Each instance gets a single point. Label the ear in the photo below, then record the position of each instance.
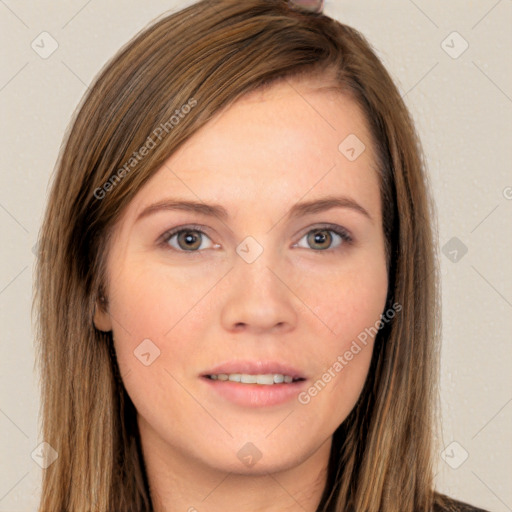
(102, 320)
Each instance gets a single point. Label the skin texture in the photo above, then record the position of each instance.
(295, 303)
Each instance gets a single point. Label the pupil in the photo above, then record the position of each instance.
(322, 237)
(189, 239)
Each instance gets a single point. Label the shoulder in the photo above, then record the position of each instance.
(444, 503)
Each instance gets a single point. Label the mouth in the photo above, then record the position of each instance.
(262, 372)
(264, 379)
(255, 383)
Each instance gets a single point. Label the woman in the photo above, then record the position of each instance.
(236, 287)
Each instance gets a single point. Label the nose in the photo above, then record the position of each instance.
(259, 299)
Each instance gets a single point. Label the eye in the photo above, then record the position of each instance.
(194, 239)
(326, 237)
(190, 239)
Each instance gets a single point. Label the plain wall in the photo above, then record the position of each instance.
(462, 104)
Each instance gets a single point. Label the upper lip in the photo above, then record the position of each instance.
(260, 367)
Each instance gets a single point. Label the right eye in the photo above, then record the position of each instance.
(186, 239)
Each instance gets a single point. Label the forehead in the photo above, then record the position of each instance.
(273, 145)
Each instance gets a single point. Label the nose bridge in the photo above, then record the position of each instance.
(257, 298)
(256, 267)
(254, 254)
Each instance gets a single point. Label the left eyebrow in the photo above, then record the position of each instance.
(218, 211)
(326, 203)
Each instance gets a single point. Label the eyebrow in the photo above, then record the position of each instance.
(218, 211)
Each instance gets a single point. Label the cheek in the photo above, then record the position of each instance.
(347, 307)
(349, 300)
(147, 308)
(161, 316)
(149, 300)
(157, 317)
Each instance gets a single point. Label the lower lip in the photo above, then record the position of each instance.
(256, 395)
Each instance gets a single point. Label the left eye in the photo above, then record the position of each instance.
(323, 238)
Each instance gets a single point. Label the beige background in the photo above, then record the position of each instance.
(463, 109)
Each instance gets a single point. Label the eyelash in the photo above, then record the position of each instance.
(345, 236)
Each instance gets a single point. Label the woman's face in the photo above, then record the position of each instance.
(249, 287)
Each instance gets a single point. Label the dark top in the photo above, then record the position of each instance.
(453, 505)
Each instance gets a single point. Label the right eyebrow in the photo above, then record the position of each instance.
(212, 210)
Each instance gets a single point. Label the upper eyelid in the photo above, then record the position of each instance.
(328, 226)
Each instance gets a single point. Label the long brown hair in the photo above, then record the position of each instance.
(205, 57)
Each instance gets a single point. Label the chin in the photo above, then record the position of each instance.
(258, 457)
(269, 464)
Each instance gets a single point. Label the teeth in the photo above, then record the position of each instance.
(245, 378)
